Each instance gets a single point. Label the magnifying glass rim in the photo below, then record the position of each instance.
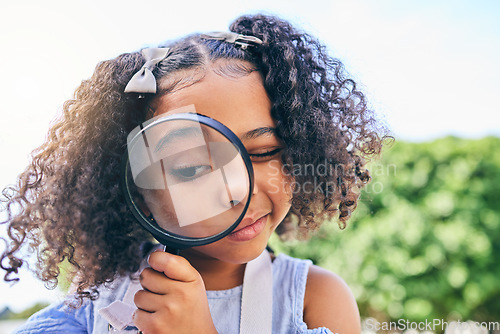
(171, 239)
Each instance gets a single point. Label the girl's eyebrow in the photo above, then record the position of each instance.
(262, 131)
(192, 132)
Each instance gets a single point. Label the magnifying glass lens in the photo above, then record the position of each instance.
(188, 180)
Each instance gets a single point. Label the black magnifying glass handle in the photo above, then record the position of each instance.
(172, 250)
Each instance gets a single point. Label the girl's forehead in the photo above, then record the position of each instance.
(240, 103)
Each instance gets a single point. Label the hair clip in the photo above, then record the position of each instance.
(144, 80)
(232, 37)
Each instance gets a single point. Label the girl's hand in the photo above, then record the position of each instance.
(174, 299)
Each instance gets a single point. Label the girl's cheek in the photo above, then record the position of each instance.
(278, 182)
(268, 176)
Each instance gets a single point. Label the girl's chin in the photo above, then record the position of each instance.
(231, 252)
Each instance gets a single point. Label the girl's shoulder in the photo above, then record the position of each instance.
(329, 302)
(307, 296)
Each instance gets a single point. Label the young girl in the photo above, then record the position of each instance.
(294, 110)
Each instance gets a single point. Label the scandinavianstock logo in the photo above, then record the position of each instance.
(317, 174)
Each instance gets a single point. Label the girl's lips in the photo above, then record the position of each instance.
(249, 232)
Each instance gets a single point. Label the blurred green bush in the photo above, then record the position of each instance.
(424, 240)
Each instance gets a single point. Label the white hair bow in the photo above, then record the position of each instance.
(144, 80)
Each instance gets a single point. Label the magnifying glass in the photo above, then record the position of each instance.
(187, 179)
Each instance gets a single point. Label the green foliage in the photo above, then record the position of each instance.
(424, 241)
(25, 314)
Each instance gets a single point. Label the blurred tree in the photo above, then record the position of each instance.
(424, 240)
(25, 314)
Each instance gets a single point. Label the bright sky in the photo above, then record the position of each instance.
(430, 67)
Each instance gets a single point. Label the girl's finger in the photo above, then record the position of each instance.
(147, 301)
(173, 266)
(154, 281)
(144, 321)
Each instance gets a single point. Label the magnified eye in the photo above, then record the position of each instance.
(191, 172)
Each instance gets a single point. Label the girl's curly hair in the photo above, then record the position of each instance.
(68, 204)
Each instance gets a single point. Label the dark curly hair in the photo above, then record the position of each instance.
(68, 205)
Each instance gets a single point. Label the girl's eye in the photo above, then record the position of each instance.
(265, 155)
(190, 173)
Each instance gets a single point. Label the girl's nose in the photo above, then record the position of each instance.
(236, 183)
(255, 187)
